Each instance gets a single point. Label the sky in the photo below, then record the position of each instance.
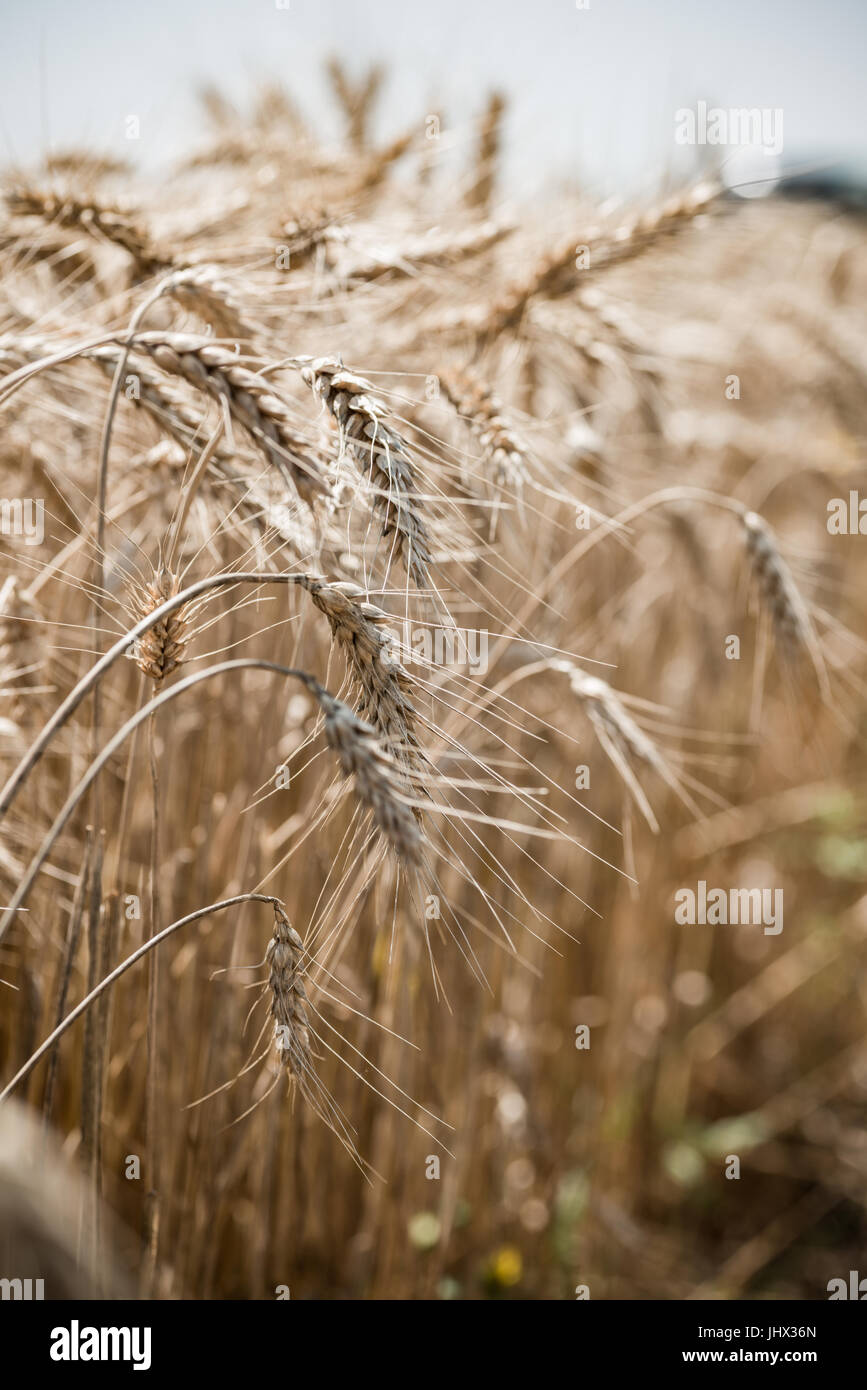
(594, 85)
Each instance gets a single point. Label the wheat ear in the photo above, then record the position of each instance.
(379, 782)
(443, 249)
(556, 272)
(356, 99)
(490, 138)
(503, 453)
(620, 736)
(789, 613)
(378, 451)
(99, 220)
(289, 998)
(161, 649)
(197, 287)
(216, 371)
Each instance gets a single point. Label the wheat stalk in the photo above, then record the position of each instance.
(362, 755)
(197, 287)
(382, 682)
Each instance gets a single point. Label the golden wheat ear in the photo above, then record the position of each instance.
(379, 781)
(504, 455)
(488, 153)
(101, 221)
(249, 397)
(789, 613)
(623, 740)
(289, 998)
(161, 649)
(379, 453)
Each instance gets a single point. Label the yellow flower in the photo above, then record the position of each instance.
(506, 1267)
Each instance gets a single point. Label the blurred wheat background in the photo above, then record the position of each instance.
(450, 1041)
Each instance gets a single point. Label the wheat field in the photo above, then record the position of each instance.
(407, 604)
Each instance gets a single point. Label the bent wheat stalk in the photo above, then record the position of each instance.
(121, 969)
(360, 752)
(162, 614)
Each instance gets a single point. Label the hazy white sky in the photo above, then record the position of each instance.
(594, 90)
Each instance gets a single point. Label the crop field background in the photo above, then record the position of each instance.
(415, 599)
